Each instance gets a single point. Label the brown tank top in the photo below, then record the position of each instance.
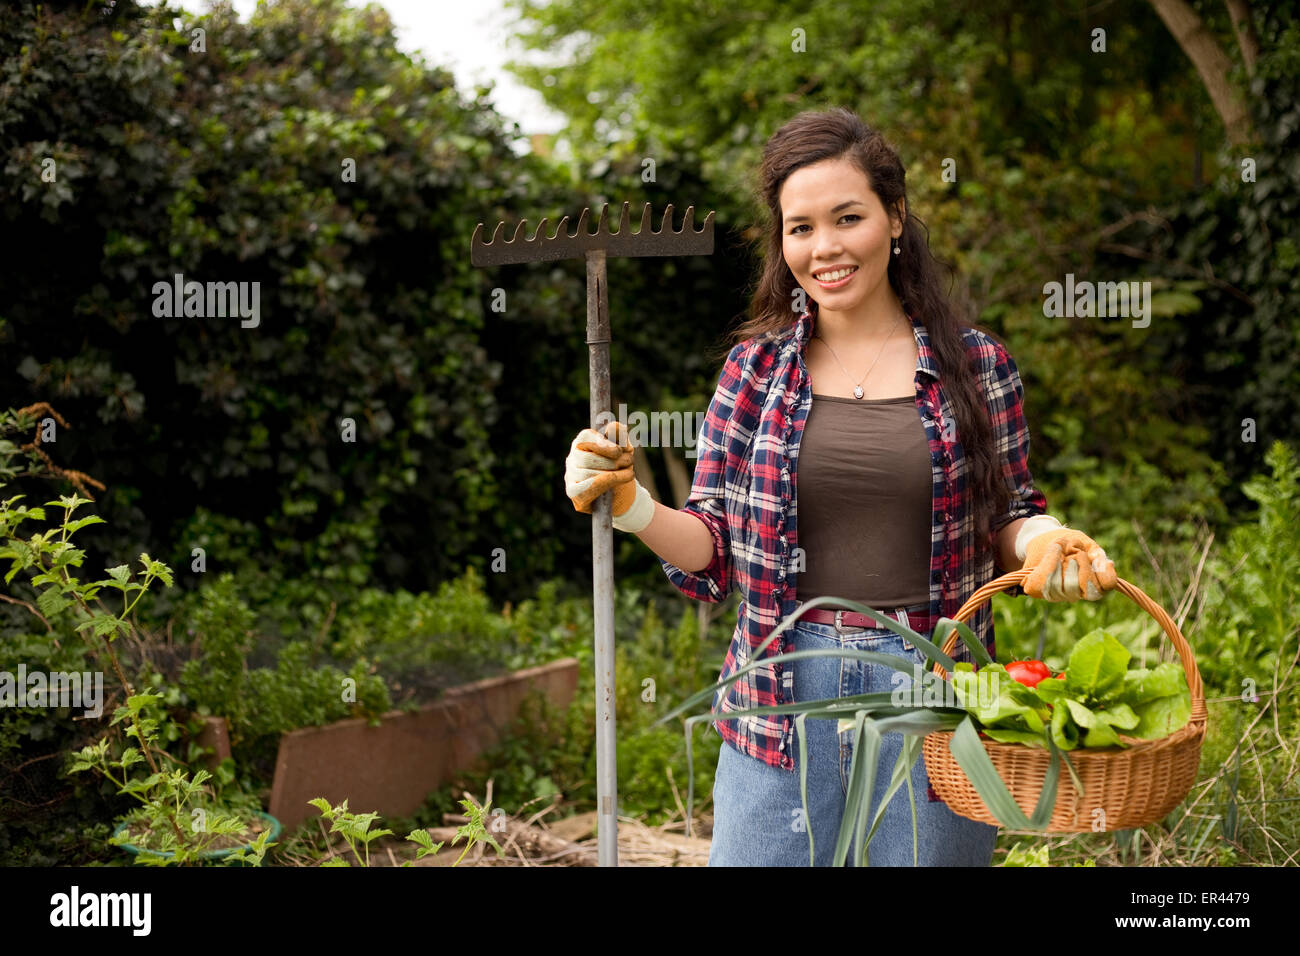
(864, 502)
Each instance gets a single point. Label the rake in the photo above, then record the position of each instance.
(596, 247)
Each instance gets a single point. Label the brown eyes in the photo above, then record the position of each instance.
(847, 215)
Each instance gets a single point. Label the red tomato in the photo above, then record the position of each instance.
(1028, 673)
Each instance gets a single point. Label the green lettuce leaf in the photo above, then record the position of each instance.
(1064, 730)
(1159, 698)
(1037, 713)
(1096, 666)
(986, 694)
(1118, 714)
(1050, 689)
(1101, 735)
(1081, 714)
(1162, 716)
(1017, 737)
(1164, 680)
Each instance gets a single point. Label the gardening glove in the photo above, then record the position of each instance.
(599, 462)
(1067, 565)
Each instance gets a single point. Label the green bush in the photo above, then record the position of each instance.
(424, 643)
(263, 702)
(548, 752)
(1252, 588)
(382, 650)
(46, 817)
(213, 166)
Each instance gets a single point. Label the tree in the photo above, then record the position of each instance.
(343, 429)
(1213, 65)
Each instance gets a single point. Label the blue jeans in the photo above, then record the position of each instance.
(757, 808)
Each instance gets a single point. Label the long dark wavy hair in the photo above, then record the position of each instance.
(811, 137)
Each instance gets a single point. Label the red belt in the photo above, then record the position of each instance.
(849, 619)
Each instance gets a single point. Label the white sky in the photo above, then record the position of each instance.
(468, 37)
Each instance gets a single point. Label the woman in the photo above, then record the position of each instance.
(906, 432)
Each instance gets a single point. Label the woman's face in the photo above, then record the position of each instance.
(831, 218)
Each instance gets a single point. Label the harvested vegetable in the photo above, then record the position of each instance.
(1093, 703)
(1028, 673)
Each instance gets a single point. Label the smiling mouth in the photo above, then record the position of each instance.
(837, 277)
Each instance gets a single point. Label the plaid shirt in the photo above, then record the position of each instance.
(744, 492)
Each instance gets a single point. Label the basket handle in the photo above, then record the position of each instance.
(1132, 591)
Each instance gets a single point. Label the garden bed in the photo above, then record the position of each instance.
(392, 767)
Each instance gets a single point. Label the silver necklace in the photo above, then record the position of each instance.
(857, 388)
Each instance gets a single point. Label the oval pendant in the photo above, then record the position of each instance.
(857, 391)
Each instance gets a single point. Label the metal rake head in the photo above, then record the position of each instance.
(688, 241)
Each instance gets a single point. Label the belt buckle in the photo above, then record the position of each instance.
(839, 622)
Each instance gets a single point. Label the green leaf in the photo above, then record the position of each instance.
(1065, 733)
(139, 786)
(799, 721)
(109, 625)
(69, 502)
(1162, 716)
(1118, 714)
(121, 573)
(80, 523)
(427, 846)
(1050, 689)
(136, 702)
(974, 761)
(103, 624)
(1016, 737)
(1028, 697)
(1081, 714)
(51, 602)
(1097, 664)
(995, 699)
(862, 784)
(940, 636)
(1101, 735)
(1027, 856)
(64, 554)
(1164, 680)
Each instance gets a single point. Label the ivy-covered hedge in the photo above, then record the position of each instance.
(303, 151)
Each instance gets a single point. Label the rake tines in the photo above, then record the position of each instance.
(542, 247)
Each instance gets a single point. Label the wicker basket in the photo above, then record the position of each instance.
(1133, 785)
